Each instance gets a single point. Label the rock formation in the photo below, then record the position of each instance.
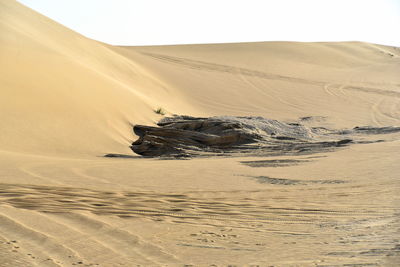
(182, 136)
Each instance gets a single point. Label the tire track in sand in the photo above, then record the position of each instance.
(124, 204)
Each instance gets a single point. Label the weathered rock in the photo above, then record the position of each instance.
(188, 136)
(180, 137)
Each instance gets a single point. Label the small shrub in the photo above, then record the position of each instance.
(160, 111)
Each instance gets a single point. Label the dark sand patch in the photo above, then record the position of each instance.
(111, 155)
(273, 163)
(282, 181)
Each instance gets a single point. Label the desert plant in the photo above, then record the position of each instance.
(160, 111)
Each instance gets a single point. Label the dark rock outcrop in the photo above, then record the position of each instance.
(189, 135)
(181, 136)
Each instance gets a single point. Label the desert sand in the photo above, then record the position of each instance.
(66, 101)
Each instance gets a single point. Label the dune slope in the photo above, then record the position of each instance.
(284, 80)
(64, 93)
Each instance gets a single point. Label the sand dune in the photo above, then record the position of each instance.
(280, 78)
(66, 101)
(59, 86)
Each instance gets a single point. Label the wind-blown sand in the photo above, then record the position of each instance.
(66, 101)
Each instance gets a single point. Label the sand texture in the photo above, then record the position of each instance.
(318, 186)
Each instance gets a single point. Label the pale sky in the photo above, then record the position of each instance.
(158, 22)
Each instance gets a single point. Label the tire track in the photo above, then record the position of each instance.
(373, 91)
(274, 96)
(375, 112)
(39, 242)
(310, 216)
(328, 90)
(207, 66)
(131, 246)
(28, 169)
(179, 206)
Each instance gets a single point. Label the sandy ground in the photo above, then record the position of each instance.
(65, 101)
